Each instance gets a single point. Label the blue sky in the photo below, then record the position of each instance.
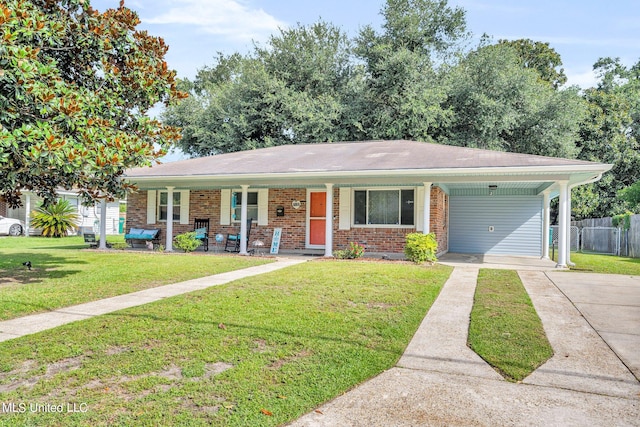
(581, 31)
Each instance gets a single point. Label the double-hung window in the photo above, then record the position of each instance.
(162, 206)
(252, 205)
(384, 207)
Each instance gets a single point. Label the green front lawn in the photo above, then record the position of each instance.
(256, 352)
(606, 264)
(64, 272)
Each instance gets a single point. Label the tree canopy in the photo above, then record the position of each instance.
(75, 87)
(540, 57)
(294, 90)
(631, 195)
(500, 105)
(412, 79)
(609, 134)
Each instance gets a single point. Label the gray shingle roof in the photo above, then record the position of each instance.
(351, 157)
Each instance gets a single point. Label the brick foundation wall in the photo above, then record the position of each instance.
(206, 204)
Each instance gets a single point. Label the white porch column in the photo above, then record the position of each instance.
(27, 215)
(546, 224)
(426, 214)
(562, 225)
(569, 263)
(243, 220)
(328, 241)
(103, 224)
(169, 240)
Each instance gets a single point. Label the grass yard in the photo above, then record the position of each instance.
(505, 329)
(66, 273)
(607, 264)
(260, 351)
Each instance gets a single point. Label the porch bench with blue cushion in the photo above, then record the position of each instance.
(142, 235)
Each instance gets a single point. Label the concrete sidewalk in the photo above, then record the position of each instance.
(14, 328)
(440, 382)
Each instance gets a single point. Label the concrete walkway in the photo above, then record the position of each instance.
(14, 328)
(440, 382)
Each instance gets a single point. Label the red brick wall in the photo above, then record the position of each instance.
(136, 211)
(439, 218)
(293, 223)
(206, 204)
(3, 207)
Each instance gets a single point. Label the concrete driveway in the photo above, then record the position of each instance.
(611, 305)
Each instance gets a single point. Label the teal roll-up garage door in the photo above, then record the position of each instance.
(505, 225)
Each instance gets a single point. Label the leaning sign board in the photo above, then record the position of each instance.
(275, 241)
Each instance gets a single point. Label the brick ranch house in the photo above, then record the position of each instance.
(324, 196)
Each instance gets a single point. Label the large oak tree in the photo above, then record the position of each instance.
(293, 90)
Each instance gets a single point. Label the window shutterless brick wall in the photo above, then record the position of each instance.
(206, 204)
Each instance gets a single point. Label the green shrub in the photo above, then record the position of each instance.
(187, 241)
(56, 219)
(355, 250)
(421, 247)
(623, 220)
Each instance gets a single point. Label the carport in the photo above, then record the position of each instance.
(507, 212)
(497, 218)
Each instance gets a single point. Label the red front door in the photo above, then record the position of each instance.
(317, 218)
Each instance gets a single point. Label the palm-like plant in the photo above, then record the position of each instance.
(56, 219)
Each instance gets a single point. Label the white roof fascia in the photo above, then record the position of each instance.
(562, 171)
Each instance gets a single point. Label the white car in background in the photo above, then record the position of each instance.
(11, 227)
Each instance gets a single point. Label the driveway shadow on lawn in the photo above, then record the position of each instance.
(43, 266)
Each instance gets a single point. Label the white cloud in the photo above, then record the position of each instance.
(583, 78)
(589, 42)
(228, 18)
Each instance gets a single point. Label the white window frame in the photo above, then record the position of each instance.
(175, 205)
(255, 207)
(227, 210)
(399, 190)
